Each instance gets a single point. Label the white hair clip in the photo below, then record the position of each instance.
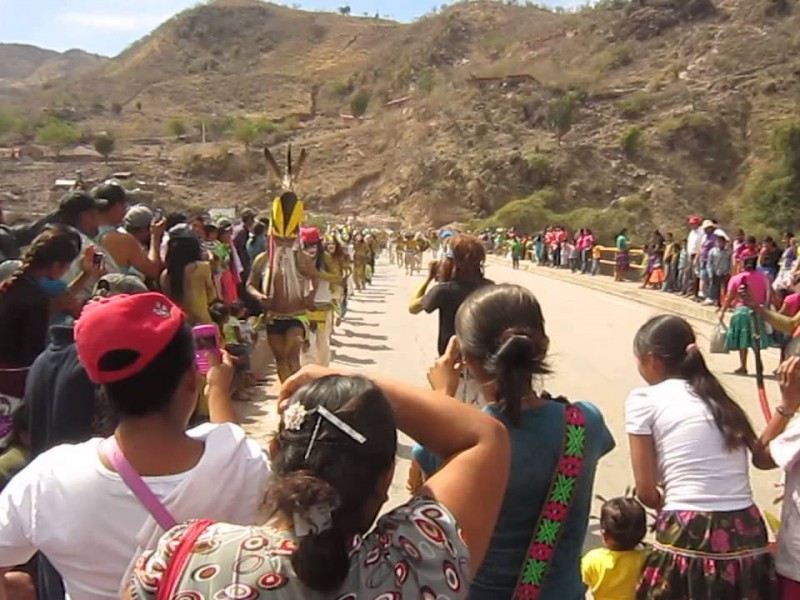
(294, 416)
(324, 413)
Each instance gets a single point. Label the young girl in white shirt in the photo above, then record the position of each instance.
(689, 443)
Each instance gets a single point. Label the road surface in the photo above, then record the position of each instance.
(591, 355)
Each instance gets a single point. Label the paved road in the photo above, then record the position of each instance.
(591, 335)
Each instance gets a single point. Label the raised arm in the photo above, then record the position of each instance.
(474, 445)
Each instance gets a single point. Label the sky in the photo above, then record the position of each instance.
(109, 26)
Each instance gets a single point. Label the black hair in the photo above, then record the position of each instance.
(260, 228)
(237, 306)
(502, 327)
(338, 471)
(57, 244)
(219, 313)
(671, 339)
(110, 193)
(624, 521)
(174, 219)
(182, 250)
(149, 391)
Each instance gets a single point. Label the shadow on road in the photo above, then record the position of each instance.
(352, 360)
(365, 336)
(365, 347)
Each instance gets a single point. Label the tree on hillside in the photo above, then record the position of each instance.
(359, 103)
(561, 114)
(116, 108)
(245, 132)
(345, 10)
(105, 144)
(176, 127)
(57, 134)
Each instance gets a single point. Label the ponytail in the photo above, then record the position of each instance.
(321, 560)
(672, 341)
(513, 366)
(729, 417)
(56, 244)
(16, 275)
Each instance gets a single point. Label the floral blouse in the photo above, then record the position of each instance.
(415, 551)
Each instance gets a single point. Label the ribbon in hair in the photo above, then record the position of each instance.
(319, 518)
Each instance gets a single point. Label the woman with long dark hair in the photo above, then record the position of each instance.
(333, 461)
(689, 443)
(26, 299)
(188, 279)
(461, 273)
(537, 544)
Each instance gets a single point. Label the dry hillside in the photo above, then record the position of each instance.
(665, 107)
(23, 66)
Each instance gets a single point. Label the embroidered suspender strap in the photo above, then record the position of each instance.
(554, 516)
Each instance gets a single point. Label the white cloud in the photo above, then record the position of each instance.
(116, 22)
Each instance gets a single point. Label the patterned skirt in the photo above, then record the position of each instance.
(709, 556)
(740, 332)
(623, 261)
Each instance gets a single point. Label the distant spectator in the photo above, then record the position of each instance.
(257, 242)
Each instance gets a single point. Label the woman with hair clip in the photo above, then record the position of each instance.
(26, 300)
(689, 443)
(333, 460)
(461, 273)
(555, 447)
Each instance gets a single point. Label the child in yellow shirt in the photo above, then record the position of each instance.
(611, 573)
(596, 254)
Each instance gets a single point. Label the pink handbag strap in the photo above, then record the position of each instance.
(113, 453)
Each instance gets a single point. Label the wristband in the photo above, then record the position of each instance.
(785, 413)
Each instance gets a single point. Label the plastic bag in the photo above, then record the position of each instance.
(718, 335)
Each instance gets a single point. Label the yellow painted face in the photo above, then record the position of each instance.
(287, 214)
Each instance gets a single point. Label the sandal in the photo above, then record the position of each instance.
(740, 371)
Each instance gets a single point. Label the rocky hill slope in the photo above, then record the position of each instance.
(22, 65)
(632, 113)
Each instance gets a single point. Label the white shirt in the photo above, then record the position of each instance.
(785, 451)
(84, 518)
(696, 469)
(694, 241)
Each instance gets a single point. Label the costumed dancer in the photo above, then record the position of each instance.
(330, 272)
(284, 279)
(361, 259)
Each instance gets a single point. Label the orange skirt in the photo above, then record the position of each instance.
(657, 276)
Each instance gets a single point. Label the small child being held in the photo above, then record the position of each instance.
(612, 572)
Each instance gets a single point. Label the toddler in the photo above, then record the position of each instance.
(612, 572)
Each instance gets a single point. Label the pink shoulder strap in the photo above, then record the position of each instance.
(110, 449)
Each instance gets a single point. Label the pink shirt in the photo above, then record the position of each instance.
(792, 303)
(757, 283)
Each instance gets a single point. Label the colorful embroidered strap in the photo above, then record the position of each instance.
(551, 522)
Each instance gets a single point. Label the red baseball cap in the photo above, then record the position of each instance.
(143, 323)
(310, 235)
(695, 220)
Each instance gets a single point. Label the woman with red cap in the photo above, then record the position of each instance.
(331, 273)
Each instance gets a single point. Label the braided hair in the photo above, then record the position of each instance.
(57, 244)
